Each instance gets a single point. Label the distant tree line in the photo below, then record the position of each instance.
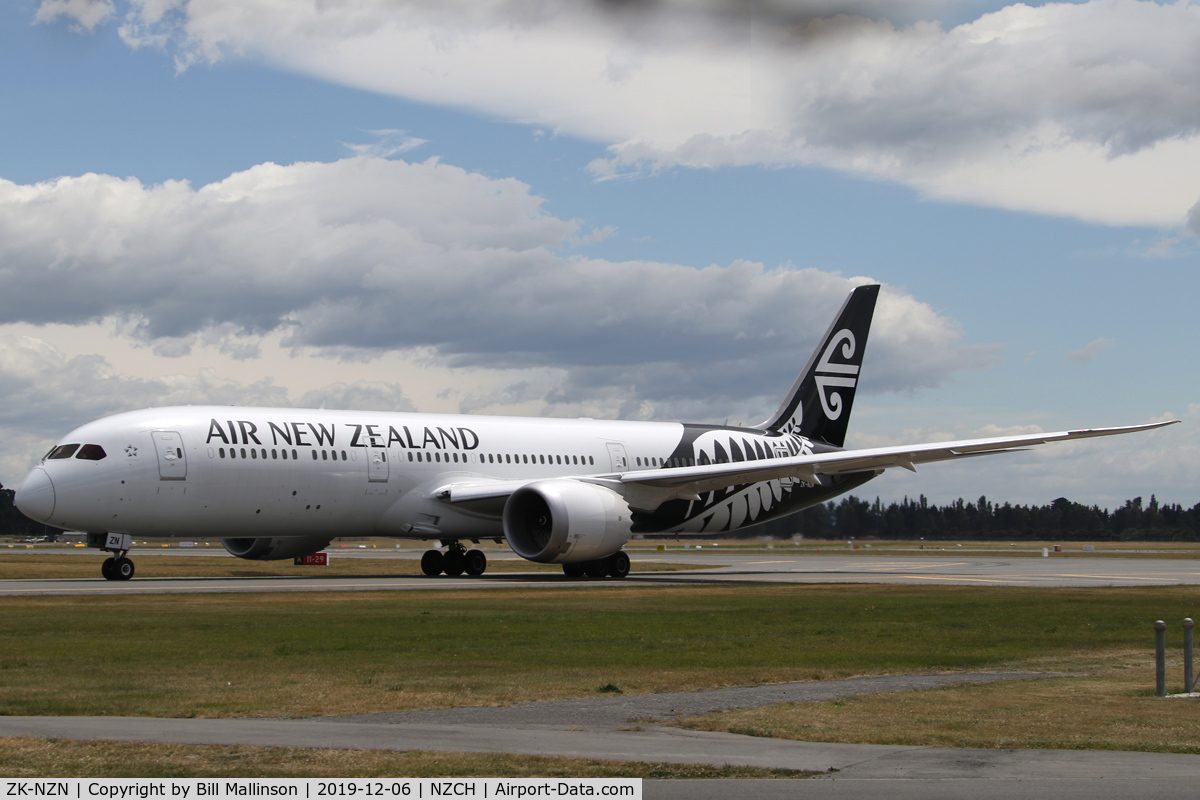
(855, 518)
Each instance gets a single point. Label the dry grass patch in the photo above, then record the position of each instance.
(56, 758)
(1111, 708)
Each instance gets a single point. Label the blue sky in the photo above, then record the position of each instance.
(1004, 272)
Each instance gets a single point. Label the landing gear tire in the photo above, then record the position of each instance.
(573, 570)
(618, 564)
(432, 562)
(108, 569)
(453, 562)
(474, 562)
(123, 569)
(597, 568)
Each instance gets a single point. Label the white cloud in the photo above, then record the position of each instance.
(596, 236)
(365, 255)
(83, 15)
(1090, 110)
(1087, 353)
(388, 142)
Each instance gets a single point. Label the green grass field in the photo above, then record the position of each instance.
(341, 653)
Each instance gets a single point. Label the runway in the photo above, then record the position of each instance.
(1060, 570)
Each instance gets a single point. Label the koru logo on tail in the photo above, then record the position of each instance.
(831, 376)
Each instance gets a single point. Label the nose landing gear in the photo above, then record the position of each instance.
(455, 561)
(119, 567)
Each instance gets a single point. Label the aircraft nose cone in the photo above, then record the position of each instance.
(35, 496)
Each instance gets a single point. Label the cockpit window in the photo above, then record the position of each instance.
(91, 452)
(63, 451)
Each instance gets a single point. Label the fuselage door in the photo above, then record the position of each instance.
(172, 464)
(377, 465)
(616, 454)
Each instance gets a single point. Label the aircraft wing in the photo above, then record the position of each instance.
(808, 467)
(650, 487)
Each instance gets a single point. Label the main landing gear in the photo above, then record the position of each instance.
(455, 561)
(616, 565)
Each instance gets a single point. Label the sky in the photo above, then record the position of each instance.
(637, 210)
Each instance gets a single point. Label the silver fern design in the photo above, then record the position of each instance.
(737, 506)
(733, 507)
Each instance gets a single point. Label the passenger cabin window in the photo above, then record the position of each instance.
(63, 451)
(91, 452)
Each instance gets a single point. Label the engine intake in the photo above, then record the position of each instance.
(274, 549)
(564, 521)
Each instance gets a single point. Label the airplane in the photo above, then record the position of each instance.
(279, 483)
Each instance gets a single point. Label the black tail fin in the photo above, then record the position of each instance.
(818, 406)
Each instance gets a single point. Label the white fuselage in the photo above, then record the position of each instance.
(261, 472)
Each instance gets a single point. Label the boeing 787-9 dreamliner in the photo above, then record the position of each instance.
(276, 483)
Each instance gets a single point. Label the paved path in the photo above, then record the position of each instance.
(726, 567)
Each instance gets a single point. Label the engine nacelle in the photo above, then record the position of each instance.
(564, 521)
(265, 548)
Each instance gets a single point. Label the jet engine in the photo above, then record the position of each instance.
(273, 549)
(565, 521)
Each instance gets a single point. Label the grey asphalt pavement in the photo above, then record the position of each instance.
(948, 568)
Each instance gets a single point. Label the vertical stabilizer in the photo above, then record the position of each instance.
(818, 405)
